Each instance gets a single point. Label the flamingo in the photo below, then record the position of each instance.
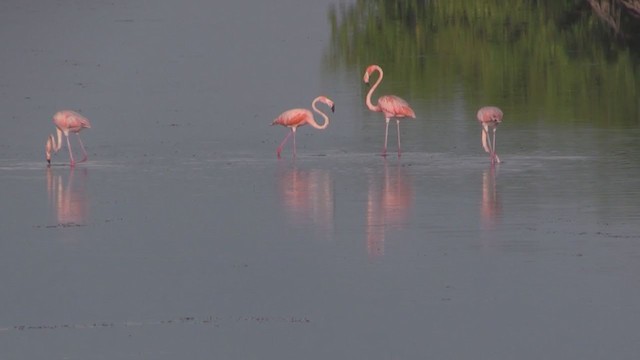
(489, 117)
(300, 117)
(390, 105)
(66, 121)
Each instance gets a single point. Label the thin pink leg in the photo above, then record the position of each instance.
(493, 147)
(398, 127)
(73, 163)
(294, 141)
(487, 143)
(279, 149)
(84, 152)
(386, 135)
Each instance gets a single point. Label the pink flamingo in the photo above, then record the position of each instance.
(490, 117)
(390, 105)
(67, 121)
(300, 117)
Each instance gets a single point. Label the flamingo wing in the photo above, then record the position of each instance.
(71, 121)
(293, 118)
(394, 106)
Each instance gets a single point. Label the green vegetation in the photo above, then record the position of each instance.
(550, 60)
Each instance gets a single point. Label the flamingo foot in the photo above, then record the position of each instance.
(494, 159)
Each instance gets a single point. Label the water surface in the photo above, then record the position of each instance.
(184, 237)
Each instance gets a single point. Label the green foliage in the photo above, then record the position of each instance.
(546, 60)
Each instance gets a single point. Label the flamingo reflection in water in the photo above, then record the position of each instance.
(389, 203)
(69, 200)
(307, 196)
(491, 208)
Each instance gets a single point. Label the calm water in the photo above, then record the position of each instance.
(185, 237)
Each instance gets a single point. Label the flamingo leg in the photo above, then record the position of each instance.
(73, 162)
(386, 135)
(279, 149)
(495, 157)
(488, 142)
(490, 145)
(294, 141)
(84, 152)
(398, 128)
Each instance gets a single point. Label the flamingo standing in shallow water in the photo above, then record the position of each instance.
(67, 121)
(300, 117)
(489, 117)
(390, 105)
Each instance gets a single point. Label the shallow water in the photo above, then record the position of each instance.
(184, 237)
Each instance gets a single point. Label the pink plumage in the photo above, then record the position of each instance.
(299, 117)
(490, 114)
(390, 105)
(293, 118)
(67, 121)
(70, 121)
(489, 118)
(396, 107)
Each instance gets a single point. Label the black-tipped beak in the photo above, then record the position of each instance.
(49, 161)
(333, 108)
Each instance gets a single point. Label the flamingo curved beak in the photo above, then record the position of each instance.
(333, 108)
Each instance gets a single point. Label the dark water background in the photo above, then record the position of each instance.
(184, 236)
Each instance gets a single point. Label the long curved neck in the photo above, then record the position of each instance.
(373, 88)
(313, 122)
(58, 144)
(52, 146)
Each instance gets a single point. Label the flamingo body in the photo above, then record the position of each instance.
(390, 105)
(70, 121)
(490, 117)
(66, 121)
(299, 117)
(293, 118)
(395, 107)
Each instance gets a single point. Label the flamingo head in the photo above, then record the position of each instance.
(329, 102)
(368, 72)
(495, 114)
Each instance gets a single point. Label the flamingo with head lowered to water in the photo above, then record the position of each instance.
(66, 122)
(489, 117)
